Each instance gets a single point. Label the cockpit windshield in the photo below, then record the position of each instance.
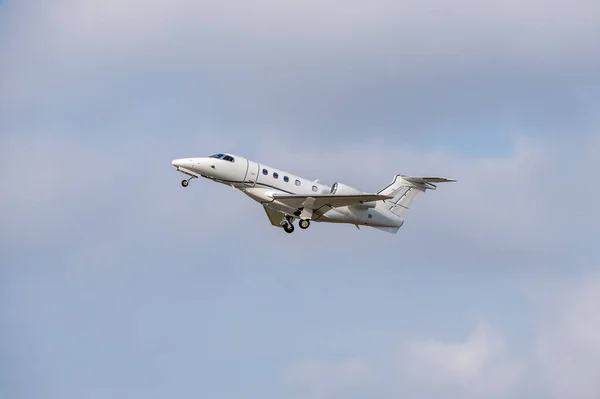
(224, 157)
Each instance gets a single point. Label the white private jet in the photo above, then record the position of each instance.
(286, 197)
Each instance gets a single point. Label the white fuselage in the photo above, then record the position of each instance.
(260, 182)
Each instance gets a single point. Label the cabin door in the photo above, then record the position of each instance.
(251, 174)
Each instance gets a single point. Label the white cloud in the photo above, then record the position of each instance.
(439, 25)
(294, 48)
(559, 360)
(562, 360)
(477, 367)
(568, 343)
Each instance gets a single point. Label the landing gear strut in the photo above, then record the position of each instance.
(288, 227)
(304, 223)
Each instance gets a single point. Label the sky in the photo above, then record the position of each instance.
(117, 282)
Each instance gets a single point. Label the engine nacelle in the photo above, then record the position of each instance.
(342, 189)
(370, 204)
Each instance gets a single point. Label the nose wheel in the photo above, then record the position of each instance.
(304, 223)
(186, 182)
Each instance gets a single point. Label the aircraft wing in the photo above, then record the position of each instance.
(316, 201)
(274, 216)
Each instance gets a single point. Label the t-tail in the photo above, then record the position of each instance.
(404, 190)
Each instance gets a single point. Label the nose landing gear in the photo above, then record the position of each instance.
(185, 182)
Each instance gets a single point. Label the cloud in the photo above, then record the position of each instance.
(558, 359)
(478, 367)
(568, 344)
(452, 73)
(323, 24)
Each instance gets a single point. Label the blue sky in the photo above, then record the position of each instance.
(115, 281)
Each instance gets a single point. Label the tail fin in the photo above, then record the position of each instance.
(404, 190)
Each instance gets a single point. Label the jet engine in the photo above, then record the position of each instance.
(342, 189)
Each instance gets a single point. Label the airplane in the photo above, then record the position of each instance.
(287, 197)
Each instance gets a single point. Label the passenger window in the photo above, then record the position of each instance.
(275, 175)
(265, 172)
(297, 182)
(315, 189)
(286, 179)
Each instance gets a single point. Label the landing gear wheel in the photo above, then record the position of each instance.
(288, 227)
(185, 183)
(304, 223)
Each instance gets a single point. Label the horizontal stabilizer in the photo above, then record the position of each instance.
(416, 179)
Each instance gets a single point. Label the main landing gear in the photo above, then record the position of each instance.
(288, 226)
(304, 223)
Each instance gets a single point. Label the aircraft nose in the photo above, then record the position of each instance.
(178, 162)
